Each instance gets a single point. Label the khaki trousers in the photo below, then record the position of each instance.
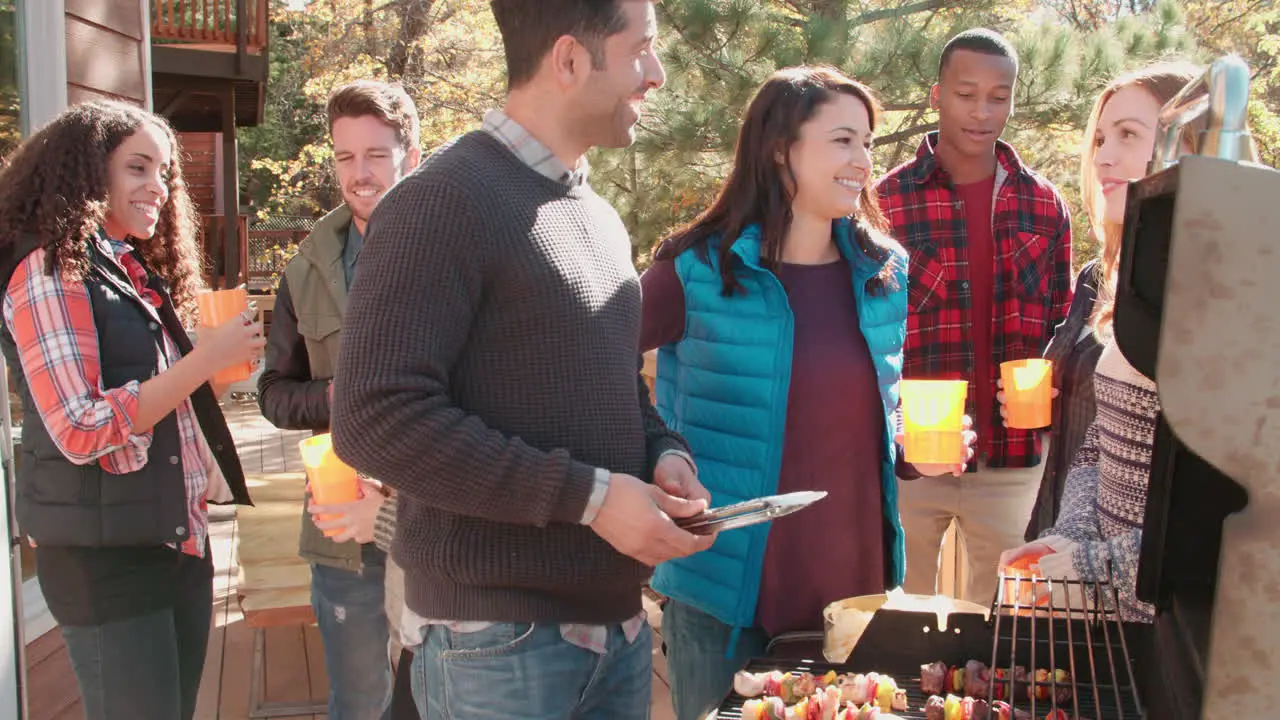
(990, 508)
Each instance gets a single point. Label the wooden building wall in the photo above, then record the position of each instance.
(200, 158)
(200, 168)
(106, 52)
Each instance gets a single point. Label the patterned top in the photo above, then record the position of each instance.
(52, 324)
(538, 157)
(1031, 227)
(1105, 499)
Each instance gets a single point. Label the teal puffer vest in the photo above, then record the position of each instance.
(724, 387)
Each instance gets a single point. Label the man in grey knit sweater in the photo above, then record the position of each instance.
(490, 375)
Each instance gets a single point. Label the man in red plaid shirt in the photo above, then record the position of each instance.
(990, 278)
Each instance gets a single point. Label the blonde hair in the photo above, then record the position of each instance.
(1163, 80)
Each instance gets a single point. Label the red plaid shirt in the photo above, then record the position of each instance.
(1031, 228)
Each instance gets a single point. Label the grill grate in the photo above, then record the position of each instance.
(1080, 620)
(1089, 706)
(732, 707)
(1078, 630)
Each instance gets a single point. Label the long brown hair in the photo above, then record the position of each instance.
(1163, 80)
(759, 191)
(55, 197)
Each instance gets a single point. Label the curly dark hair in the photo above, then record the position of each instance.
(55, 197)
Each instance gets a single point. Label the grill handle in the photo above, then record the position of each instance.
(1227, 136)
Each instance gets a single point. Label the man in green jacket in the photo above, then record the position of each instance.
(375, 134)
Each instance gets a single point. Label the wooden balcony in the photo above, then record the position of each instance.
(209, 62)
(218, 24)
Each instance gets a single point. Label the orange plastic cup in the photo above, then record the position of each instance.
(217, 307)
(1028, 393)
(1026, 568)
(332, 481)
(933, 416)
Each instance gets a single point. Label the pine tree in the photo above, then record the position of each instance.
(446, 53)
(717, 52)
(1252, 29)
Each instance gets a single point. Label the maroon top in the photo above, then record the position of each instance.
(835, 420)
(977, 198)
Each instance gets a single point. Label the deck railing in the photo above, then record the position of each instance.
(215, 22)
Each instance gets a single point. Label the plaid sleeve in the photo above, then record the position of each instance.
(1060, 284)
(52, 325)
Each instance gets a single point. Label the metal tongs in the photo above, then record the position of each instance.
(749, 512)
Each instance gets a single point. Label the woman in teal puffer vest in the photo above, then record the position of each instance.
(779, 322)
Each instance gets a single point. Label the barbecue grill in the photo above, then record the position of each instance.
(1198, 284)
(1195, 307)
(1077, 630)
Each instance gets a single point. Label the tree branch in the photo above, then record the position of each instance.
(901, 11)
(905, 133)
(1250, 8)
(414, 23)
(699, 49)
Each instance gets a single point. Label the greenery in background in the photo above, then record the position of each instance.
(447, 53)
(10, 126)
(10, 101)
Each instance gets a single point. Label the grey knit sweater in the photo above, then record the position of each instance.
(489, 364)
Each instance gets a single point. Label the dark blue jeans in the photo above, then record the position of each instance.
(701, 674)
(146, 667)
(515, 670)
(351, 612)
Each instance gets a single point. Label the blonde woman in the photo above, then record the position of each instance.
(1098, 528)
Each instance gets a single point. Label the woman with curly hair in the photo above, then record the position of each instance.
(123, 442)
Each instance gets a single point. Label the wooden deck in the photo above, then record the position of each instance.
(294, 656)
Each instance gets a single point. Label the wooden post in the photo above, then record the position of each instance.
(242, 33)
(264, 40)
(230, 191)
